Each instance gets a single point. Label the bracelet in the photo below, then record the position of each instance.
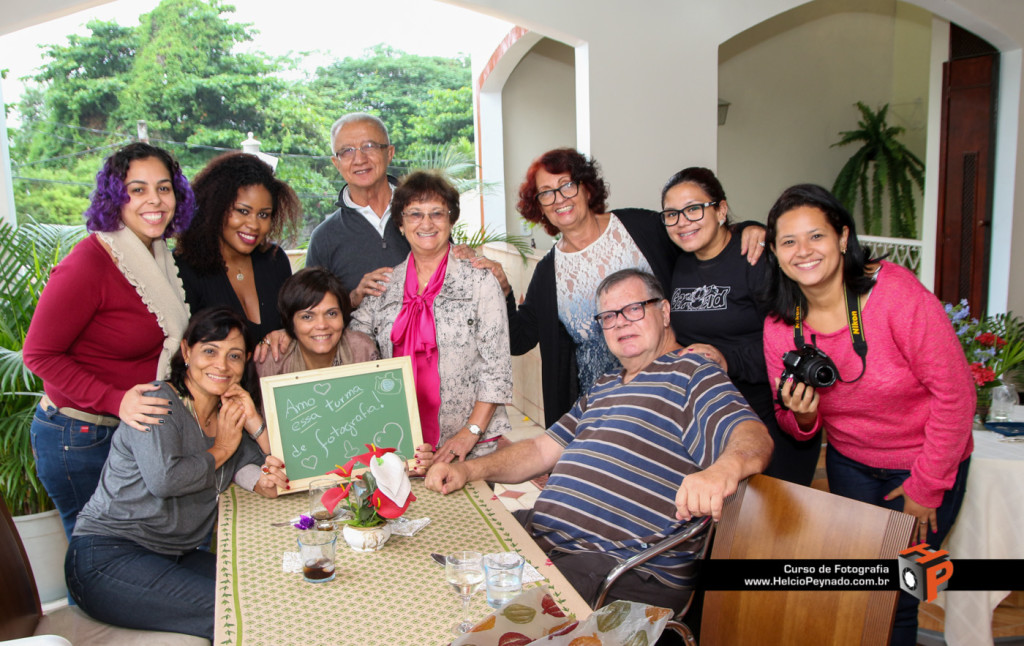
(259, 431)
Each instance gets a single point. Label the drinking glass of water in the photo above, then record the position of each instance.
(1004, 398)
(504, 577)
(465, 572)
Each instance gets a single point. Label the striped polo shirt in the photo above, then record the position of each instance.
(627, 448)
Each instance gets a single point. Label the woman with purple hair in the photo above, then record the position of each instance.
(108, 322)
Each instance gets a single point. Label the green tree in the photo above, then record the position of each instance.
(181, 71)
(80, 86)
(446, 116)
(392, 85)
(188, 82)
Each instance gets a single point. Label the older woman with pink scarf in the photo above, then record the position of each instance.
(449, 318)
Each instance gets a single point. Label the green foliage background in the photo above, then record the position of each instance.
(182, 71)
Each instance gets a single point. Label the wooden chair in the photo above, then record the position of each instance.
(773, 519)
(21, 615)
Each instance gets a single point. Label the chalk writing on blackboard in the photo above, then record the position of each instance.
(318, 419)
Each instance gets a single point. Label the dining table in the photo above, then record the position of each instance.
(990, 525)
(394, 596)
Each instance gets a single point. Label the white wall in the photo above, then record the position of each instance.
(633, 113)
(794, 81)
(539, 113)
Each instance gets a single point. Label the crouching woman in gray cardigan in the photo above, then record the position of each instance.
(134, 559)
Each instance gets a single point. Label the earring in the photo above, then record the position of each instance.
(721, 222)
(843, 251)
(186, 365)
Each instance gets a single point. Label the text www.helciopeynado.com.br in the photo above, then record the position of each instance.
(799, 575)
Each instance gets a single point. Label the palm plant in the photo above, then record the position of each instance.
(881, 164)
(27, 254)
(461, 235)
(457, 166)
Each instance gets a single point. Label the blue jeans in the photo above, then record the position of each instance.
(119, 582)
(851, 479)
(69, 460)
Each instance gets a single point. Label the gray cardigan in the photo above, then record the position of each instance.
(159, 487)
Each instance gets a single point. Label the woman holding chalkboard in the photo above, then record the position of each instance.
(134, 559)
(449, 318)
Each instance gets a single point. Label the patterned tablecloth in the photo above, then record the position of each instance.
(392, 597)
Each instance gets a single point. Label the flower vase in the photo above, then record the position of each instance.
(367, 539)
(982, 406)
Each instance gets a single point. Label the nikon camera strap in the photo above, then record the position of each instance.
(856, 324)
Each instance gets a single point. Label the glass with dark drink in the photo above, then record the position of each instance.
(316, 550)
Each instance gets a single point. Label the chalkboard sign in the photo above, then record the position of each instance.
(317, 419)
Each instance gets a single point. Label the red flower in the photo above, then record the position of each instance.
(988, 340)
(981, 374)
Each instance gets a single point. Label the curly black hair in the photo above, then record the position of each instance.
(216, 188)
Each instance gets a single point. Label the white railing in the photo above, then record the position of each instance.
(902, 251)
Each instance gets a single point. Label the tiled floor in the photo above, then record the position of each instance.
(519, 496)
(1007, 623)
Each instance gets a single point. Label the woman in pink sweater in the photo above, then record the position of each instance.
(898, 420)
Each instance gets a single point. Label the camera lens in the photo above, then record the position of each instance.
(824, 376)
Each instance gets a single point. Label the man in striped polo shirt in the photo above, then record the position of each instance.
(648, 447)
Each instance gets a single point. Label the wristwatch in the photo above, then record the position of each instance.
(474, 429)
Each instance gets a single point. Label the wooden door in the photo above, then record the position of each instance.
(965, 180)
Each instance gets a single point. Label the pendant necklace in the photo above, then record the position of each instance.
(192, 409)
(240, 275)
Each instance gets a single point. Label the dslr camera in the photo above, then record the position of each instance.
(808, 365)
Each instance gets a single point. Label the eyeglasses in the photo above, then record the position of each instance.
(415, 217)
(692, 212)
(369, 148)
(568, 190)
(632, 312)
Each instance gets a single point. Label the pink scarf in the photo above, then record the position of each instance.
(414, 335)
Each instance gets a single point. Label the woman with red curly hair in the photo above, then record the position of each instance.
(564, 192)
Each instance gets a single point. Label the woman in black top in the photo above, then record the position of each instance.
(716, 312)
(226, 256)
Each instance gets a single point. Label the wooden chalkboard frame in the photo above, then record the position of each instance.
(268, 385)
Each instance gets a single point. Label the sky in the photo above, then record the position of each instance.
(421, 27)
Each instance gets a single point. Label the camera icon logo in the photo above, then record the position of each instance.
(924, 572)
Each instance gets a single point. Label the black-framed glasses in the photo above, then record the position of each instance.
(632, 312)
(368, 148)
(692, 212)
(415, 217)
(568, 190)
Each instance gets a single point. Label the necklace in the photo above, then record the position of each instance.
(219, 472)
(240, 275)
(192, 409)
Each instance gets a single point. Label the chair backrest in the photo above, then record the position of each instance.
(20, 611)
(774, 519)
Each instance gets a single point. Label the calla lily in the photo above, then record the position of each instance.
(391, 492)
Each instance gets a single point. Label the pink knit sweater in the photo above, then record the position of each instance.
(914, 406)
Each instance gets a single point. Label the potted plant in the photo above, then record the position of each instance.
(380, 493)
(882, 164)
(993, 345)
(27, 254)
